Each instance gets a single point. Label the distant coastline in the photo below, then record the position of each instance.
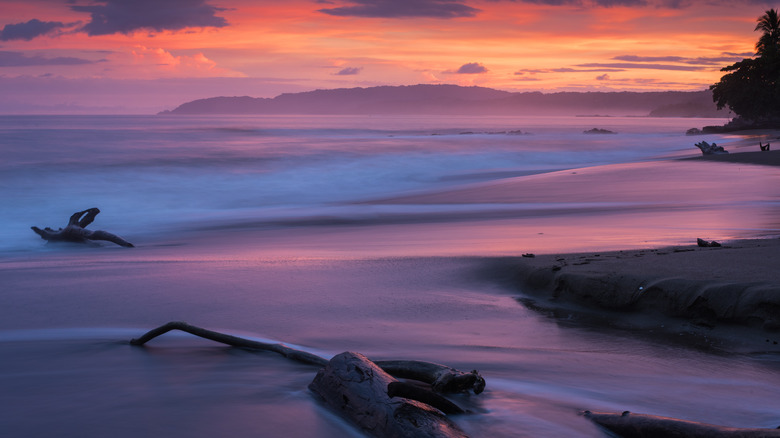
(458, 100)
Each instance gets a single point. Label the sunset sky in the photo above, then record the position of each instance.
(143, 56)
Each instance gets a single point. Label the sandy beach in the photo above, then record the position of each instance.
(729, 296)
(728, 288)
(765, 158)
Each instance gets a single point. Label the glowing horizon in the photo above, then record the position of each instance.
(151, 55)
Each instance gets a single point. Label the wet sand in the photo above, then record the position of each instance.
(767, 158)
(717, 291)
(728, 296)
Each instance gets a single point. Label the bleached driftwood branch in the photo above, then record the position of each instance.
(76, 230)
(710, 149)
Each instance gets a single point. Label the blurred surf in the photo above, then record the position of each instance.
(154, 176)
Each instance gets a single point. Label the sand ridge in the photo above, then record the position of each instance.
(765, 158)
(738, 283)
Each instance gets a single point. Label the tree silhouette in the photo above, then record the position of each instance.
(752, 87)
(769, 43)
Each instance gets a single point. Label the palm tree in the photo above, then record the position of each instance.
(770, 40)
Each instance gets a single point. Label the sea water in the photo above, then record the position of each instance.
(155, 176)
(391, 236)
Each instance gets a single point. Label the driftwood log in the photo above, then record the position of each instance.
(357, 388)
(710, 149)
(76, 230)
(707, 244)
(365, 392)
(629, 425)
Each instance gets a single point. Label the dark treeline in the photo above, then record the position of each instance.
(751, 88)
(453, 99)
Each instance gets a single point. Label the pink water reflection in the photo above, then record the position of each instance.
(647, 204)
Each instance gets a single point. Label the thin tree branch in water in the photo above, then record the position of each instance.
(235, 341)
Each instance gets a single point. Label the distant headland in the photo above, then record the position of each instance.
(459, 100)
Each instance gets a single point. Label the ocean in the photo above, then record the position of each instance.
(158, 178)
(393, 236)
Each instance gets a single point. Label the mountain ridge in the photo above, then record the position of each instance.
(447, 99)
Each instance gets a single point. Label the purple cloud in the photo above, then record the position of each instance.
(18, 59)
(727, 59)
(402, 9)
(610, 3)
(347, 71)
(568, 70)
(29, 30)
(126, 16)
(604, 77)
(648, 66)
(472, 68)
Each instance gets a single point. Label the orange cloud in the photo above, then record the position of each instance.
(160, 60)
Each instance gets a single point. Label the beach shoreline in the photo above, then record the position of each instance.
(765, 158)
(727, 297)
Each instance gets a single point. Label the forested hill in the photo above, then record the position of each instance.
(454, 99)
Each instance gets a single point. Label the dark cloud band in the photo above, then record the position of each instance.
(122, 16)
(29, 30)
(729, 58)
(403, 9)
(644, 66)
(18, 59)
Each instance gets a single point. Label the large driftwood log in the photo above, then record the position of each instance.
(364, 391)
(629, 425)
(357, 388)
(76, 230)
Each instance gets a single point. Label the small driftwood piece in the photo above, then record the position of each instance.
(364, 391)
(414, 392)
(629, 425)
(441, 377)
(710, 149)
(707, 244)
(76, 230)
